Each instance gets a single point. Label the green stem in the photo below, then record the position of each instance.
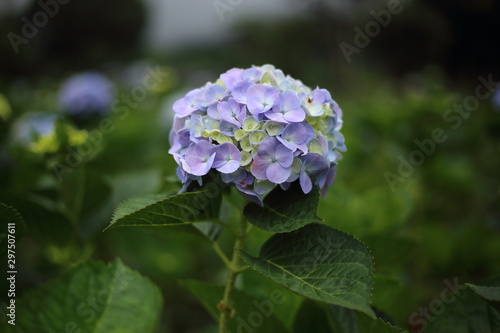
(221, 254)
(234, 269)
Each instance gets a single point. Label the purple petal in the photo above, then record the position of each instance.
(314, 163)
(295, 133)
(248, 180)
(270, 96)
(259, 167)
(230, 111)
(267, 148)
(284, 156)
(252, 74)
(231, 78)
(227, 158)
(295, 115)
(214, 93)
(199, 158)
(330, 177)
(319, 96)
(261, 98)
(305, 182)
(228, 128)
(240, 92)
(229, 167)
(249, 195)
(277, 174)
(288, 100)
(186, 105)
(275, 116)
(213, 112)
(201, 169)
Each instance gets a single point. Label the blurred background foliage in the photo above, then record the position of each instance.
(441, 222)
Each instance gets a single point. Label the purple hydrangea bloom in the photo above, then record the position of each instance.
(199, 158)
(288, 109)
(227, 158)
(261, 98)
(212, 94)
(187, 105)
(232, 112)
(86, 94)
(297, 136)
(258, 128)
(313, 166)
(272, 162)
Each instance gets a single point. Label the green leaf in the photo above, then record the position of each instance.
(260, 287)
(319, 318)
(314, 317)
(368, 325)
(44, 224)
(321, 263)
(464, 311)
(11, 228)
(284, 211)
(250, 314)
(489, 291)
(180, 211)
(92, 298)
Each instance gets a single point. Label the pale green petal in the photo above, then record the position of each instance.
(240, 134)
(246, 158)
(256, 137)
(272, 128)
(245, 144)
(250, 124)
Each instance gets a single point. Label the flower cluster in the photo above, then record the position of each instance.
(39, 133)
(258, 128)
(86, 94)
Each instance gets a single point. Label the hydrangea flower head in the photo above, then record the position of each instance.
(86, 94)
(256, 129)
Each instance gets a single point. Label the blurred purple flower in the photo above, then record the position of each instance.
(86, 94)
(496, 99)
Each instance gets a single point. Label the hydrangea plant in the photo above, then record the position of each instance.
(277, 142)
(258, 128)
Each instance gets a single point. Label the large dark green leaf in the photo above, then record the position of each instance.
(314, 317)
(261, 287)
(250, 314)
(368, 325)
(489, 290)
(319, 318)
(180, 211)
(284, 211)
(92, 298)
(321, 263)
(459, 311)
